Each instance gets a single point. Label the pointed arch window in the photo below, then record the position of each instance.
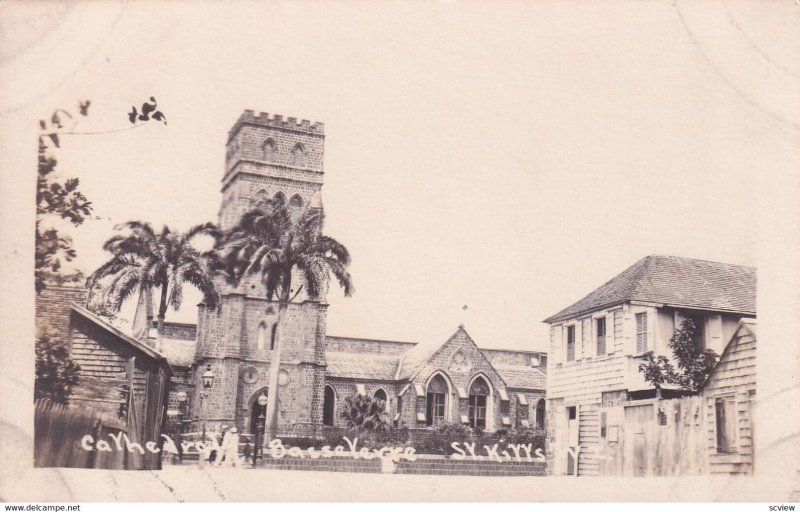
(268, 151)
(329, 406)
(380, 394)
(260, 199)
(279, 198)
(261, 336)
(478, 399)
(272, 337)
(436, 404)
(298, 156)
(295, 207)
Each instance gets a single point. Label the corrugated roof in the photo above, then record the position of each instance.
(354, 365)
(674, 281)
(521, 377)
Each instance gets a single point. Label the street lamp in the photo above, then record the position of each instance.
(262, 403)
(208, 381)
(182, 397)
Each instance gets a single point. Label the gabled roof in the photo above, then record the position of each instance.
(747, 327)
(135, 344)
(674, 281)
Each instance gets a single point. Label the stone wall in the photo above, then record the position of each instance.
(53, 308)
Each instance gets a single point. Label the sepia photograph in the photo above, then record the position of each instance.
(400, 252)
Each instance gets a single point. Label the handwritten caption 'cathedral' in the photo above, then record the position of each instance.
(277, 450)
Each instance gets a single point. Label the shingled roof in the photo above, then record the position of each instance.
(521, 377)
(674, 281)
(353, 365)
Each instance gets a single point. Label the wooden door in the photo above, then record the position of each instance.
(638, 420)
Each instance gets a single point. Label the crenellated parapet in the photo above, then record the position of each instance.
(276, 121)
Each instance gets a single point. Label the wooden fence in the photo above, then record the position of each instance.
(654, 438)
(59, 429)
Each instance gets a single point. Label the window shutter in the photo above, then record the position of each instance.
(610, 333)
(557, 343)
(578, 340)
(714, 334)
(629, 331)
(651, 327)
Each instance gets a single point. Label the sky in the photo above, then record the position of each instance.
(485, 166)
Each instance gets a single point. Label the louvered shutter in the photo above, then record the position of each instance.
(578, 340)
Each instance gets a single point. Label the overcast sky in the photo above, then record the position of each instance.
(504, 160)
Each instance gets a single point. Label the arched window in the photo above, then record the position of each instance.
(279, 198)
(272, 337)
(478, 398)
(298, 156)
(295, 207)
(260, 199)
(380, 394)
(329, 406)
(540, 414)
(268, 151)
(261, 336)
(436, 404)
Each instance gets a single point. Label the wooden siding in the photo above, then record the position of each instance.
(734, 378)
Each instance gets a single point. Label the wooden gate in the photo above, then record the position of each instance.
(653, 438)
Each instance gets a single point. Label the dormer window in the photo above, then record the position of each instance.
(298, 156)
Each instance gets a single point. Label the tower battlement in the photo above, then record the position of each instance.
(276, 121)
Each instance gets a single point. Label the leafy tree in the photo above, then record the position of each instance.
(284, 253)
(694, 364)
(144, 259)
(365, 414)
(56, 373)
(56, 197)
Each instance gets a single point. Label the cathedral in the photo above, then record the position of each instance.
(422, 384)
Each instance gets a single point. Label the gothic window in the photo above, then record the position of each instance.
(260, 199)
(295, 207)
(261, 336)
(298, 156)
(478, 398)
(279, 198)
(540, 412)
(328, 406)
(268, 151)
(380, 394)
(272, 337)
(436, 403)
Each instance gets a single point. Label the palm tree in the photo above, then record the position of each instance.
(364, 413)
(269, 243)
(145, 259)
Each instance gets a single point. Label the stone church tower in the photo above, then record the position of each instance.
(266, 157)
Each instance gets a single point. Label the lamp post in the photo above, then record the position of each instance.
(208, 381)
(259, 444)
(182, 397)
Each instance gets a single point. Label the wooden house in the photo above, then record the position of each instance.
(598, 343)
(122, 379)
(729, 393)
